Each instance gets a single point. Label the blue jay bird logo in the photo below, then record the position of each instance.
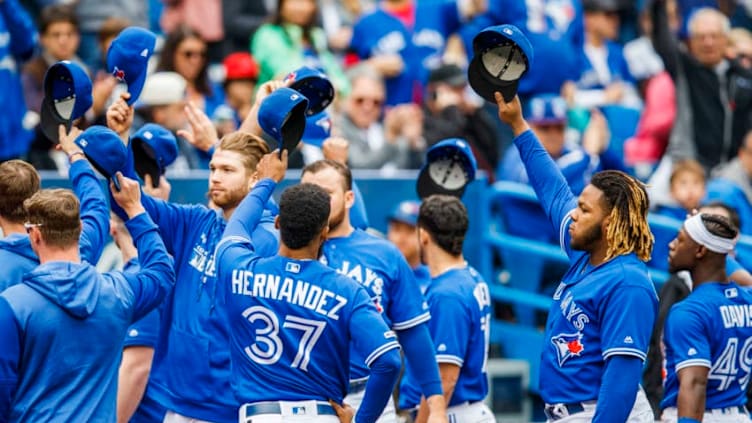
(568, 345)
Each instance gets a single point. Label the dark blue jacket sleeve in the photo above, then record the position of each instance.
(10, 355)
(236, 240)
(384, 373)
(23, 34)
(95, 214)
(619, 385)
(419, 350)
(546, 179)
(157, 275)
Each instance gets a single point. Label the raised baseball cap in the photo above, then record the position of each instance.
(105, 151)
(282, 115)
(128, 58)
(406, 212)
(67, 97)
(545, 109)
(450, 166)
(314, 85)
(318, 128)
(501, 56)
(154, 148)
(240, 65)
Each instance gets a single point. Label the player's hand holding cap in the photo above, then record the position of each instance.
(154, 148)
(128, 58)
(450, 166)
(501, 56)
(282, 115)
(105, 151)
(67, 97)
(314, 85)
(317, 129)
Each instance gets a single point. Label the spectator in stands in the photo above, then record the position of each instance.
(547, 116)
(687, 189)
(714, 95)
(19, 35)
(204, 17)
(605, 78)
(397, 142)
(291, 40)
(241, 19)
(110, 29)
(402, 231)
(732, 184)
(451, 113)
(185, 52)
(241, 76)
(740, 46)
(91, 16)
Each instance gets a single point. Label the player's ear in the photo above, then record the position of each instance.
(701, 251)
(349, 199)
(276, 222)
(325, 233)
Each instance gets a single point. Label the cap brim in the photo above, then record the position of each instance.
(135, 88)
(145, 162)
(103, 172)
(426, 186)
(485, 85)
(50, 121)
(293, 127)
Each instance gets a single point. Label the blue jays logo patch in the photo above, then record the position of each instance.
(290, 78)
(568, 345)
(119, 74)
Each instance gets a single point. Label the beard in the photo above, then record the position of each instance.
(584, 241)
(230, 198)
(336, 219)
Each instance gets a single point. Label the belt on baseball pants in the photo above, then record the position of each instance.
(559, 411)
(357, 386)
(739, 409)
(272, 407)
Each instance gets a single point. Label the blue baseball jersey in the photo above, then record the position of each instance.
(711, 328)
(597, 311)
(460, 305)
(381, 269)
(290, 319)
(419, 47)
(617, 68)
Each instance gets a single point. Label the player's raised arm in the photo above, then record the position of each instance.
(549, 184)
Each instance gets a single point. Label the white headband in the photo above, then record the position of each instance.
(699, 233)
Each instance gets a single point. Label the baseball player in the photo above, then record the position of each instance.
(599, 324)
(708, 335)
(191, 368)
(62, 329)
(293, 318)
(19, 181)
(402, 231)
(460, 307)
(382, 270)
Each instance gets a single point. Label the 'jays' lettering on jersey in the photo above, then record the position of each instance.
(711, 328)
(292, 321)
(598, 311)
(382, 270)
(460, 307)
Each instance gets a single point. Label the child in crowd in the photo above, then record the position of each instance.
(687, 189)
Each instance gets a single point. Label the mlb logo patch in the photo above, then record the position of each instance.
(568, 345)
(298, 411)
(292, 267)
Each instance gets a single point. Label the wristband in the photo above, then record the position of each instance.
(687, 420)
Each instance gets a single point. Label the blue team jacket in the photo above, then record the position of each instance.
(15, 249)
(62, 331)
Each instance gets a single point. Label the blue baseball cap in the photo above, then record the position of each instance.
(105, 151)
(314, 85)
(501, 56)
(128, 58)
(67, 97)
(545, 109)
(406, 212)
(282, 115)
(450, 166)
(318, 128)
(154, 148)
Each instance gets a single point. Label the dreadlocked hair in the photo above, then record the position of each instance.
(628, 230)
